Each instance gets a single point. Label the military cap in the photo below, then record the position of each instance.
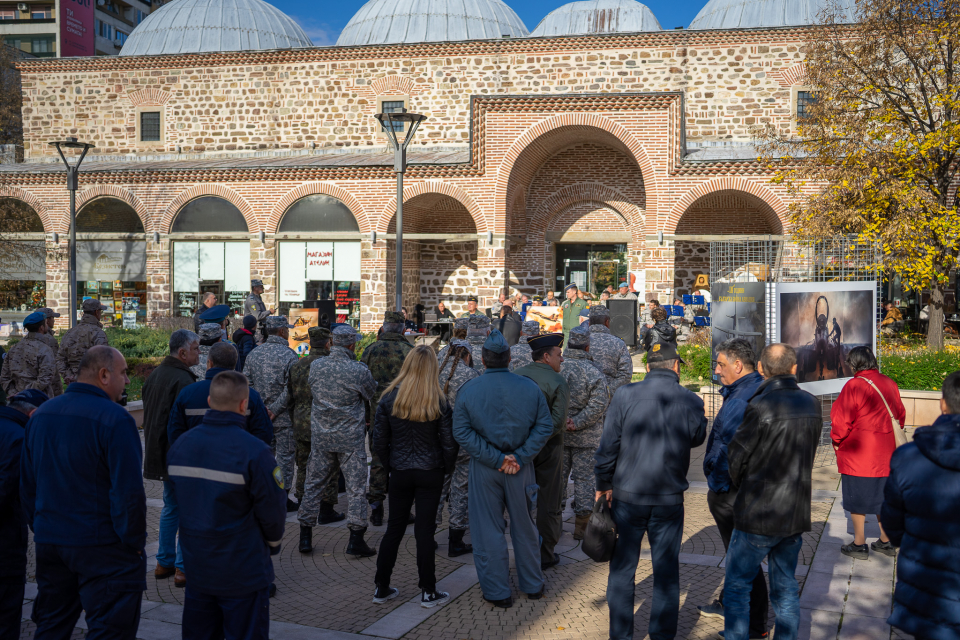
(256, 283)
(210, 331)
(277, 322)
(599, 312)
(393, 317)
(479, 322)
(36, 317)
(216, 313)
(461, 323)
(48, 312)
(92, 306)
(33, 397)
(345, 335)
(572, 285)
(579, 337)
(663, 351)
(538, 298)
(531, 328)
(545, 341)
(472, 299)
(585, 312)
(496, 342)
(318, 335)
(457, 342)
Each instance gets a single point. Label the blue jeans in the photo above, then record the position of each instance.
(746, 552)
(665, 526)
(169, 553)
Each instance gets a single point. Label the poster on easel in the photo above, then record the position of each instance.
(550, 318)
(302, 320)
(738, 311)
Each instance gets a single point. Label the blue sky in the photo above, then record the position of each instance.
(323, 20)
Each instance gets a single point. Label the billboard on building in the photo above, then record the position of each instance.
(77, 33)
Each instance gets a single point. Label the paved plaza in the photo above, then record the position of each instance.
(327, 595)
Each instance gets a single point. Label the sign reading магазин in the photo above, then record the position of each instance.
(77, 28)
(112, 261)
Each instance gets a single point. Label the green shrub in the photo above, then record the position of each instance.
(139, 343)
(920, 369)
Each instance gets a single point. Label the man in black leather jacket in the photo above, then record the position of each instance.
(771, 463)
(661, 332)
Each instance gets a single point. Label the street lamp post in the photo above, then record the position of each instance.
(389, 121)
(73, 172)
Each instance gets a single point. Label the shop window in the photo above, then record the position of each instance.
(41, 12)
(209, 214)
(805, 102)
(312, 271)
(23, 271)
(150, 126)
(318, 213)
(223, 268)
(108, 215)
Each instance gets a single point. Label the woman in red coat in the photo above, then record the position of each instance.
(862, 435)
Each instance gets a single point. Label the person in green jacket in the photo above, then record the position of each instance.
(572, 307)
(548, 464)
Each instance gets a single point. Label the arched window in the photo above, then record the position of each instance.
(108, 215)
(318, 213)
(17, 216)
(23, 269)
(209, 214)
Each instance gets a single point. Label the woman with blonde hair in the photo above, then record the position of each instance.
(413, 436)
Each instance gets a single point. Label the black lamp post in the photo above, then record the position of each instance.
(72, 181)
(389, 122)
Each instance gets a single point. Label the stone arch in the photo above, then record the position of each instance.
(434, 187)
(49, 224)
(778, 210)
(589, 192)
(317, 188)
(113, 191)
(218, 190)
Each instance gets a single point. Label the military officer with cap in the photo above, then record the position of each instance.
(218, 314)
(609, 353)
(50, 340)
(624, 293)
(254, 306)
(268, 369)
(30, 364)
(472, 309)
(210, 334)
(77, 341)
(477, 331)
(521, 353)
(572, 307)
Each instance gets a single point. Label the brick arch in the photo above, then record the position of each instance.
(777, 215)
(150, 96)
(393, 84)
(588, 192)
(113, 191)
(317, 188)
(49, 224)
(625, 141)
(166, 220)
(434, 187)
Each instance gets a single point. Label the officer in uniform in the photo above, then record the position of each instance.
(300, 398)
(268, 369)
(340, 387)
(624, 293)
(75, 342)
(472, 309)
(210, 334)
(521, 353)
(610, 354)
(477, 332)
(49, 339)
(254, 306)
(588, 404)
(30, 364)
(232, 516)
(571, 307)
(217, 314)
(384, 359)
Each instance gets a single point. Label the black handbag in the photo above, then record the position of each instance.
(600, 538)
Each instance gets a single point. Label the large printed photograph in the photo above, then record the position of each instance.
(738, 311)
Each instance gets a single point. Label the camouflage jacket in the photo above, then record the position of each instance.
(268, 369)
(200, 369)
(520, 354)
(611, 356)
(340, 386)
(29, 364)
(384, 359)
(49, 340)
(461, 375)
(588, 398)
(476, 351)
(75, 342)
(299, 396)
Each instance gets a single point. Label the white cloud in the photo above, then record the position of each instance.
(320, 33)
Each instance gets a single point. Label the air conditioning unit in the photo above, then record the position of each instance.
(23, 6)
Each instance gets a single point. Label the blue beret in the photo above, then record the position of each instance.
(216, 313)
(33, 397)
(545, 341)
(496, 342)
(37, 317)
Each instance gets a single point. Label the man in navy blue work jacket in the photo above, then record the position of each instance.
(83, 496)
(13, 526)
(232, 515)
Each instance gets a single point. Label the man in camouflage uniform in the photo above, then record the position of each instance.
(75, 342)
(460, 326)
(340, 387)
(254, 306)
(477, 333)
(30, 364)
(588, 403)
(453, 375)
(610, 353)
(300, 399)
(210, 334)
(472, 309)
(521, 354)
(384, 359)
(268, 370)
(50, 340)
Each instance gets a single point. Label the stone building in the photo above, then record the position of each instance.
(604, 148)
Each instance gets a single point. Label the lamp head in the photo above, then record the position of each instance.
(387, 120)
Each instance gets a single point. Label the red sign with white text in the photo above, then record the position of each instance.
(77, 33)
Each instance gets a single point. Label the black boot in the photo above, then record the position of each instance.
(306, 539)
(357, 546)
(457, 547)
(376, 513)
(328, 515)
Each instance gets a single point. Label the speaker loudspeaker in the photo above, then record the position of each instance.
(623, 320)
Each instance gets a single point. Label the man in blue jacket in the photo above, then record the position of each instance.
(641, 470)
(82, 495)
(736, 367)
(232, 515)
(13, 526)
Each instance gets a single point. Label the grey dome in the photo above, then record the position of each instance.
(396, 21)
(740, 14)
(597, 16)
(193, 26)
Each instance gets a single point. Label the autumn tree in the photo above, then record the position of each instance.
(878, 148)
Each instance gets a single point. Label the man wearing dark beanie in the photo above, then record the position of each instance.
(245, 339)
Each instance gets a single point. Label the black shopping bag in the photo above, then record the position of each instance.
(600, 538)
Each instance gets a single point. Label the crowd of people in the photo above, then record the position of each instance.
(494, 428)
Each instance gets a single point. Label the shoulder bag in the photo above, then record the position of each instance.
(600, 537)
(899, 433)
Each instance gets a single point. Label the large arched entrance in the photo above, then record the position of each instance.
(23, 270)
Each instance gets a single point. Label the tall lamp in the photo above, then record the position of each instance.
(390, 122)
(73, 172)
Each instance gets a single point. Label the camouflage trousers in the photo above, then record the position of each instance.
(329, 494)
(321, 470)
(455, 493)
(579, 462)
(284, 450)
(378, 476)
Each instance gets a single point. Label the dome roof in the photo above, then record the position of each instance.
(734, 14)
(597, 16)
(396, 21)
(193, 26)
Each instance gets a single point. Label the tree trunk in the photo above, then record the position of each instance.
(935, 323)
